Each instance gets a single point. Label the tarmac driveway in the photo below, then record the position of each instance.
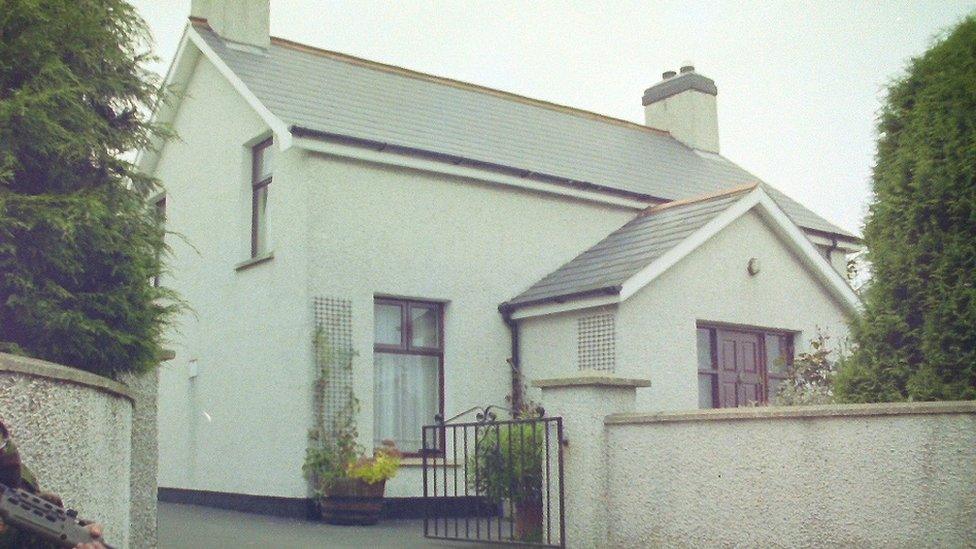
(192, 526)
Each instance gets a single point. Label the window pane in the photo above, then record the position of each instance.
(706, 391)
(407, 397)
(259, 222)
(160, 211)
(776, 350)
(387, 324)
(705, 349)
(424, 327)
(264, 158)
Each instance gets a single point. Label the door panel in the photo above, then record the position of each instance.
(727, 377)
(739, 368)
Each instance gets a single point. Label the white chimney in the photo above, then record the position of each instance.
(684, 104)
(242, 21)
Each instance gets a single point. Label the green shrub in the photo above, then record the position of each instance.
(916, 339)
(78, 245)
(811, 376)
(508, 461)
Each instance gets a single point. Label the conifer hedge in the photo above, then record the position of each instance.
(78, 246)
(917, 338)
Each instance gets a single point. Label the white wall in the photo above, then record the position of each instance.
(240, 425)
(377, 230)
(655, 328)
(901, 475)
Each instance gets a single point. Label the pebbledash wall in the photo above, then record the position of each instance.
(89, 439)
(874, 475)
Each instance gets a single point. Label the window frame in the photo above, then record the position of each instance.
(406, 348)
(257, 186)
(159, 211)
(761, 333)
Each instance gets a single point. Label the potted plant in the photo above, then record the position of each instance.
(508, 466)
(349, 485)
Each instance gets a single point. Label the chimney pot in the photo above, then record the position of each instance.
(685, 106)
(668, 74)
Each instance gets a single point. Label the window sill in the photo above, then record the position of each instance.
(248, 263)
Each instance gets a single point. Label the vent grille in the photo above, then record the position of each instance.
(596, 342)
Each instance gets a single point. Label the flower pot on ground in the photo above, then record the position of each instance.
(508, 462)
(352, 501)
(349, 486)
(528, 519)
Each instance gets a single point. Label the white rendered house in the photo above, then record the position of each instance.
(448, 233)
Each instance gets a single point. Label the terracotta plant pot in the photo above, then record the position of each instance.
(528, 520)
(351, 501)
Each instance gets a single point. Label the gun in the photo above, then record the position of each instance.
(42, 518)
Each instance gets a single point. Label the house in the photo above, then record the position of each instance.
(446, 233)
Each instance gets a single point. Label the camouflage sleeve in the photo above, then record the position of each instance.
(13, 473)
(9, 459)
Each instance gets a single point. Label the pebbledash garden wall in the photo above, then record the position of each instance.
(871, 475)
(89, 439)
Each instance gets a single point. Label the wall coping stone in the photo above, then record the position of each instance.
(50, 370)
(794, 412)
(594, 379)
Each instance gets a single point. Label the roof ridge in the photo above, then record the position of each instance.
(443, 80)
(700, 198)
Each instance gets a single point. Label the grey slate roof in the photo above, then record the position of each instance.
(338, 95)
(603, 268)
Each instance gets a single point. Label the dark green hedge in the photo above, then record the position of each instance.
(917, 338)
(78, 246)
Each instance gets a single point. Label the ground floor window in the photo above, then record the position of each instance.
(408, 362)
(741, 366)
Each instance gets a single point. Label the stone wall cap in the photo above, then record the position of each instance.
(50, 370)
(798, 412)
(599, 379)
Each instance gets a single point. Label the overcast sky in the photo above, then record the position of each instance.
(799, 83)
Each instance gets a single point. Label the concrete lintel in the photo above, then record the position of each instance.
(794, 412)
(50, 370)
(596, 379)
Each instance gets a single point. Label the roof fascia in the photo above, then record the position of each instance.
(824, 239)
(478, 174)
(828, 276)
(163, 111)
(544, 309)
(782, 226)
(689, 244)
(281, 132)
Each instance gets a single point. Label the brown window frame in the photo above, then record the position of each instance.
(406, 348)
(159, 210)
(765, 374)
(257, 185)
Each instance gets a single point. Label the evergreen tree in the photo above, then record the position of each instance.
(78, 245)
(917, 337)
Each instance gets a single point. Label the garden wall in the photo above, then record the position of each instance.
(872, 475)
(77, 432)
(893, 475)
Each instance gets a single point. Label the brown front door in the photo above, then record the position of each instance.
(739, 373)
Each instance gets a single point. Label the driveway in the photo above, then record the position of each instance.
(192, 526)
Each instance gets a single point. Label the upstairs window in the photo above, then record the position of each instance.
(408, 362)
(262, 167)
(159, 212)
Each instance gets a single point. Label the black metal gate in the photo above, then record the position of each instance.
(495, 481)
